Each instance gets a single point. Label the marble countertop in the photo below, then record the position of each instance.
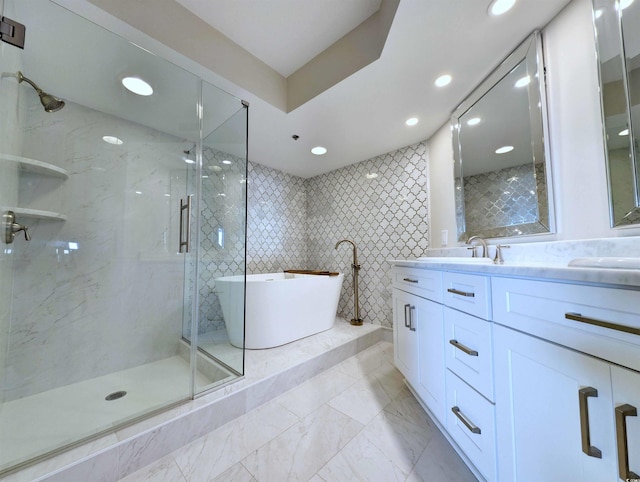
(618, 277)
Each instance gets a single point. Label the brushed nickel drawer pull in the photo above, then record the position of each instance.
(472, 428)
(406, 324)
(463, 348)
(622, 412)
(411, 310)
(583, 395)
(409, 280)
(603, 324)
(461, 293)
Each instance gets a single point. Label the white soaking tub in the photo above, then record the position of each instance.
(281, 307)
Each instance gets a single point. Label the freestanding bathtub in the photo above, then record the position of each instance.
(281, 307)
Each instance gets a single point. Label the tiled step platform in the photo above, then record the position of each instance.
(268, 373)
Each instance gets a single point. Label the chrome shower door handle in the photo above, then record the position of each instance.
(186, 243)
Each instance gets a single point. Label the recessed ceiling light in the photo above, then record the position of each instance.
(189, 161)
(112, 140)
(319, 150)
(137, 86)
(598, 13)
(411, 121)
(371, 175)
(498, 7)
(215, 168)
(523, 81)
(443, 80)
(474, 121)
(138, 192)
(504, 149)
(624, 132)
(226, 162)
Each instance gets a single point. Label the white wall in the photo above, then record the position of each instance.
(575, 139)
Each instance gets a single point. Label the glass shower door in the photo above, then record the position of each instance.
(221, 238)
(91, 307)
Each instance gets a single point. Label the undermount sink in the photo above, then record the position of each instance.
(606, 263)
(455, 259)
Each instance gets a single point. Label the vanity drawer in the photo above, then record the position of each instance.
(471, 423)
(591, 319)
(468, 350)
(468, 292)
(422, 282)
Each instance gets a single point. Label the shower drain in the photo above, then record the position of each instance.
(115, 395)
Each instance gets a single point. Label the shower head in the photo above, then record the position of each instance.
(50, 102)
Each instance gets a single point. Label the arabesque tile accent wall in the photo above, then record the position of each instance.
(380, 204)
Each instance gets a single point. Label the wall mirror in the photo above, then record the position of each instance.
(617, 28)
(502, 172)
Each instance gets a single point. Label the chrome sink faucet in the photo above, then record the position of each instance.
(482, 242)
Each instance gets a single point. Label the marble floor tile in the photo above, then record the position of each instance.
(440, 463)
(314, 393)
(362, 401)
(237, 473)
(164, 470)
(302, 436)
(299, 452)
(214, 453)
(362, 461)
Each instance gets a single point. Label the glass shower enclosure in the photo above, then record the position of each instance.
(119, 211)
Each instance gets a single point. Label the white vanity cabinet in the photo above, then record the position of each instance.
(562, 413)
(552, 403)
(418, 334)
(469, 377)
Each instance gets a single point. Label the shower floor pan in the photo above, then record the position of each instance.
(39, 423)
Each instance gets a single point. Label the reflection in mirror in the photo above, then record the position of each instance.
(502, 173)
(617, 27)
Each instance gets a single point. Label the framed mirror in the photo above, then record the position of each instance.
(502, 171)
(617, 29)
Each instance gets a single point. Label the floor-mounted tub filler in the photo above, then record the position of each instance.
(281, 307)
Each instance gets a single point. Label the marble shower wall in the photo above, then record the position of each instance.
(102, 291)
(380, 204)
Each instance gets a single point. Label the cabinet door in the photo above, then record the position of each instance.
(626, 400)
(540, 420)
(429, 319)
(405, 336)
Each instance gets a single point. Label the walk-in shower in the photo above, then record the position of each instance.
(102, 319)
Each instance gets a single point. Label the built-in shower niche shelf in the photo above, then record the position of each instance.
(37, 214)
(38, 167)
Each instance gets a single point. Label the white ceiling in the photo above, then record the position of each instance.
(284, 34)
(358, 118)
(363, 116)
